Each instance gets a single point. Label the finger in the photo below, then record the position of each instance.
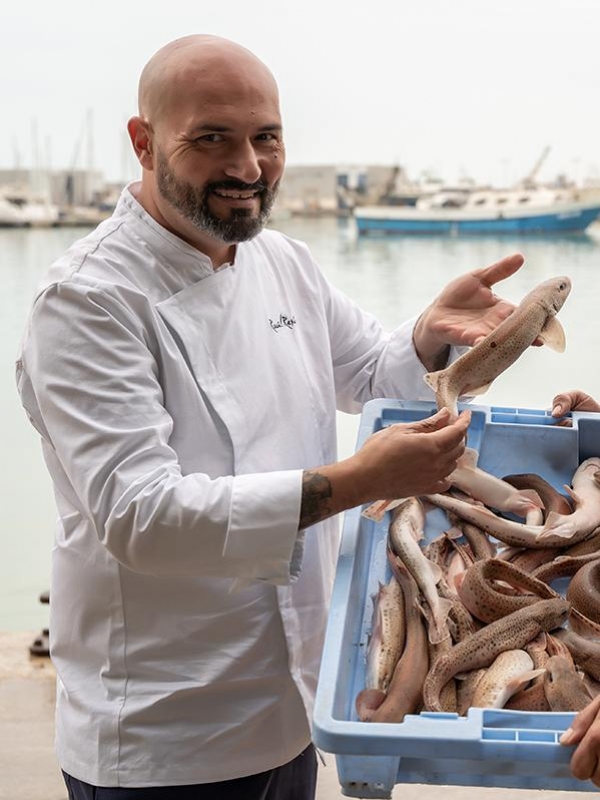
(564, 423)
(464, 419)
(581, 723)
(595, 776)
(441, 486)
(453, 435)
(435, 422)
(584, 761)
(501, 270)
(567, 401)
(574, 400)
(561, 404)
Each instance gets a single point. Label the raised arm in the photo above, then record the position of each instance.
(464, 312)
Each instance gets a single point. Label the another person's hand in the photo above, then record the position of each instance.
(585, 733)
(412, 458)
(573, 400)
(465, 312)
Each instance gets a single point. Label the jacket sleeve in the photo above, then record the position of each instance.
(367, 361)
(90, 385)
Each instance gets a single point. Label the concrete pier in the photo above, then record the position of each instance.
(28, 768)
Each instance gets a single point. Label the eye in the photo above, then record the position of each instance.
(210, 138)
(267, 137)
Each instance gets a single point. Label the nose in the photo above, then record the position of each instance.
(243, 163)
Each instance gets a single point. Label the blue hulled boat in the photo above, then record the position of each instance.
(490, 211)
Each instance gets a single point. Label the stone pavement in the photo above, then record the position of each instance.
(28, 769)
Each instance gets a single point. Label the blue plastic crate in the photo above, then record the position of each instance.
(488, 747)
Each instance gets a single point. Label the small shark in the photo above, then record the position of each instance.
(533, 319)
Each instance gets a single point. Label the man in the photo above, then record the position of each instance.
(183, 367)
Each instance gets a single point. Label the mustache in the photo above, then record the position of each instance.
(240, 186)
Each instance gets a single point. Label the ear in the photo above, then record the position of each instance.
(140, 133)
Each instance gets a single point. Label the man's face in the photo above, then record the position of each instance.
(219, 156)
(238, 223)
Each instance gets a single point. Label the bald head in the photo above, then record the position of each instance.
(199, 64)
(209, 138)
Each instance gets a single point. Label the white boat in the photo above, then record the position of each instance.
(20, 209)
(82, 216)
(491, 211)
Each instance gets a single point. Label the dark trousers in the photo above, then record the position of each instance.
(296, 780)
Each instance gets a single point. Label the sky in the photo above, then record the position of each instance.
(458, 88)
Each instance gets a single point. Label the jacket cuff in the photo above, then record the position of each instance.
(263, 525)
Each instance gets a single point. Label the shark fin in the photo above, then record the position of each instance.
(520, 682)
(432, 379)
(532, 496)
(557, 525)
(479, 390)
(573, 495)
(553, 335)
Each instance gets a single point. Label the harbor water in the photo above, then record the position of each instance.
(393, 278)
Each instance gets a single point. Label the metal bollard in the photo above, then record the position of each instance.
(41, 644)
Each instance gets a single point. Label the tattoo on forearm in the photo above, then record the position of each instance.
(316, 498)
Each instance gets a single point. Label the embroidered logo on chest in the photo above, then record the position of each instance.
(283, 322)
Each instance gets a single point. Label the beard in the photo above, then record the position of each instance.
(193, 204)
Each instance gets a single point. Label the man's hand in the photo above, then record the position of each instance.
(412, 458)
(399, 461)
(464, 313)
(585, 733)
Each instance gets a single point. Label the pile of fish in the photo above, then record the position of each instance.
(471, 618)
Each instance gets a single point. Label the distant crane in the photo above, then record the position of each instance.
(390, 184)
(528, 181)
(398, 190)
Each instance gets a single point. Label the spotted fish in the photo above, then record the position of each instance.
(534, 318)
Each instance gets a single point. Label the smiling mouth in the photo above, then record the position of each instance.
(231, 194)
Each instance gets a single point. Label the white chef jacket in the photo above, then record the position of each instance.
(177, 408)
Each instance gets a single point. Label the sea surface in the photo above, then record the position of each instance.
(392, 278)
